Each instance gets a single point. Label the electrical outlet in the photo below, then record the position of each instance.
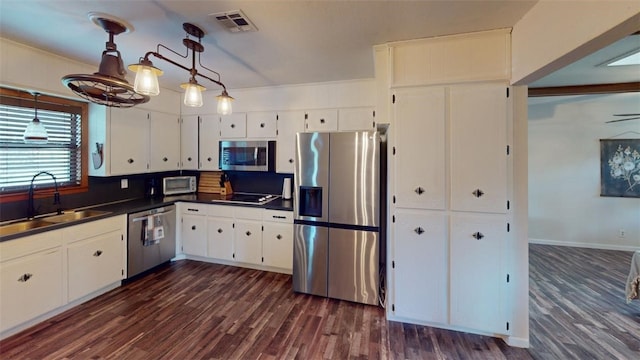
(124, 183)
(621, 233)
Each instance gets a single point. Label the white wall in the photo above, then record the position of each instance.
(565, 206)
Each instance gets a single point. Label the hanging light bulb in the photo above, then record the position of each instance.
(146, 81)
(224, 103)
(35, 133)
(193, 93)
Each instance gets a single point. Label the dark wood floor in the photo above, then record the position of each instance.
(193, 310)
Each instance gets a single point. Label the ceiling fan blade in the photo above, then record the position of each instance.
(612, 121)
(626, 114)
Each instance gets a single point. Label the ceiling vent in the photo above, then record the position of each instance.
(234, 21)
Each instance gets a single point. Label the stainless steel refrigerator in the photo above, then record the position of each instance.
(339, 195)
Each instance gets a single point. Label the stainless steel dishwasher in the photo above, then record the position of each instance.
(151, 239)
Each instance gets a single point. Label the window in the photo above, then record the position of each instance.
(63, 155)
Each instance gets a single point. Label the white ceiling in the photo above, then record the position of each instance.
(296, 42)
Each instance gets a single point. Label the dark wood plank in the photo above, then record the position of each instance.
(194, 310)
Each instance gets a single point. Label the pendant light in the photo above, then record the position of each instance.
(146, 81)
(35, 133)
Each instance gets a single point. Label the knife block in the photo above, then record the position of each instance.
(226, 190)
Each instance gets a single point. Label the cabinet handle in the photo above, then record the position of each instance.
(97, 253)
(189, 158)
(209, 159)
(477, 235)
(130, 161)
(419, 190)
(165, 159)
(25, 277)
(190, 209)
(219, 231)
(233, 126)
(477, 193)
(193, 227)
(321, 121)
(419, 230)
(278, 236)
(248, 233)
(261, 125)
(290, 161)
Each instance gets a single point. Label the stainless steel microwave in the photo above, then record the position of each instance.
(248, 155)
(173, 185)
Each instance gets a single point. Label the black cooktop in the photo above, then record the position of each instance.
(250, 198)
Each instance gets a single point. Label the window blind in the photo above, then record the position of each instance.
(61, 156)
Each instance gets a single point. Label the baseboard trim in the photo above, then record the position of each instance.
(583, 245)
(517, 342)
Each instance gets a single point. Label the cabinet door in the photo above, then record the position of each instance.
(356, 119)
(277, 245)
(321, 120)
(479, 148)
(194, 235)
(189, 142)
(261, 124)
(164, 152)
(129, 141)
(209, 137)
(30, 286)
(233, 126)
(289, 123)
(420, 273)
(94, 263)
(220, 238)
(419, 118)
(247, 242)
(478, 280)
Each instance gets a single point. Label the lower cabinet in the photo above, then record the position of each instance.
(420, 265)
(94, 263)
(44, 272)
(239, 235)
(30, 286)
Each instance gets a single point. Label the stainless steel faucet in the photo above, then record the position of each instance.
(31, 211)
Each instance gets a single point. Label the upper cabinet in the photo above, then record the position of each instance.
(353, 119)
(134, 141)
(209, 136)
(233, 126)
(289, 123)
(188, 142)
(262, 124)
(321, 120)
(480, 56)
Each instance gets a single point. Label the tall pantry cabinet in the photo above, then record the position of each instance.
(449, 180)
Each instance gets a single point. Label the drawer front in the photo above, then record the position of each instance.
(19, 247)
(248, 213)
(220, 211)
(195, 209)
(278, 216)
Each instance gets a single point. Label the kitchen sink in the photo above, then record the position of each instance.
(73, 216)
(25, 225)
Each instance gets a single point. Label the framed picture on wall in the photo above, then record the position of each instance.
(620, 167)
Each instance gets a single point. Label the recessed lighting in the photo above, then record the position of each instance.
(631, 58)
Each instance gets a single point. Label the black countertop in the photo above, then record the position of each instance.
(137, 205)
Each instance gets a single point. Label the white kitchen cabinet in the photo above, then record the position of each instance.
(420, 265)
(188, 143)
(164, 142)
(233, 126)
(30, 286)
(209, 147)
(478, 277)
(247, 236)
(262, 124)
(419, 148)
(289, 123)
(479, 147)
(321, 120)
(277, 239)
(94, 263)
(129, 147)
(354, 119)
(220, 238)
(194, 235)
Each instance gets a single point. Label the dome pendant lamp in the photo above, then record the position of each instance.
(35, 133)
